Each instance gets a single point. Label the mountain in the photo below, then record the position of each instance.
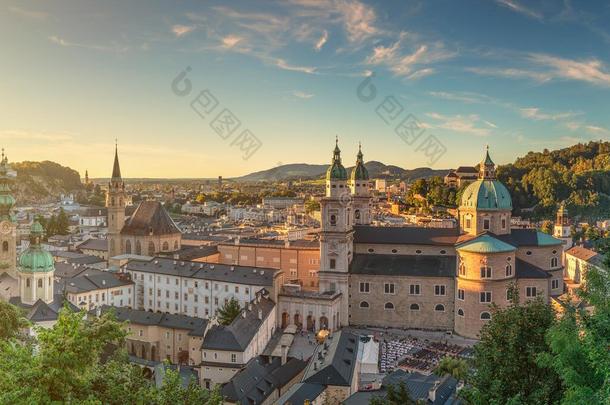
(306, 171)
(43, 181)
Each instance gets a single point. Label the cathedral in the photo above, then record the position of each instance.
(149, 231)
(422, 278)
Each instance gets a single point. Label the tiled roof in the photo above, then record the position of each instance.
(150, 218)
(94, 244)
(582, 253)
(334, 361)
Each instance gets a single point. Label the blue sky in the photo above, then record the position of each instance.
(516, 75)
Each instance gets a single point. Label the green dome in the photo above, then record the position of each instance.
(359, 172)
(35, 259)
(336, 171)
(487, 195)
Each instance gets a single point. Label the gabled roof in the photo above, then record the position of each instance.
(404, 265)
(405, 235)
(150, 218)
(42, 311)
(585, 254)
(334, 361)
(485, 243)
(94, 244)
(301, 392)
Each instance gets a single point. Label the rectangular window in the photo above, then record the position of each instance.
(485, 272)
(365, 287)
(236, 289)
(414, 289)
(176, 295)
(468, 224)
(388, 288)
(503, 223)
(460, 294)
(554, 284)
(333, 264)
(530, 292)
(439, 290)
(485, 297)
(486, 224)
(233, 358)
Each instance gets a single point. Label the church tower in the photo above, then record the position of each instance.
(360, 189)
(115, 202)
(562, 229)
(36, 270)
(336, 236)
(8, 227)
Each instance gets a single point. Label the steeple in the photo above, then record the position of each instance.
(336, 171)
(116, 170)
(359, 172)
(487, 168)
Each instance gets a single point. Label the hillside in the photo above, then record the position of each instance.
(43, 181)
(306, 171)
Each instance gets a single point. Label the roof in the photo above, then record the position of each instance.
(301, 392)
(254, 383)
(487, 195)
(194, 252)
(528, 237)
(206, 271)
(405, 235)
(333, 362)
(467, 169)
(485, 243)
(404, 265)
(42, 311)
(116, 169)
(585, 254)
(150, 218)
(195, 326)
(273, 243)
(94, 244)
(94, 280)
(529, 270)
(95, 212)
(238, 335)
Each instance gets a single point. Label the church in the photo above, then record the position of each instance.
(422, 278)
(148, 231)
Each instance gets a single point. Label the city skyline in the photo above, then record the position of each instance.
(290, 73)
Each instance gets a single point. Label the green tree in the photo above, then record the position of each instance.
(457, 368)
(547, 227)
(228, 312)
(172, 392)
(506, 366)
(397, 395)
(10, 321)
(63, 223)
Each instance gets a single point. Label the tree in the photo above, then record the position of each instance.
(506, 365)
(228, 312)
(172, 392)
(396, 396)
(547, 227)
(457, 368)
(580, 342)
(10, 321)
(63, 223)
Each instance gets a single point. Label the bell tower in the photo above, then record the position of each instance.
(337, 235)
(562, 229)
(115, 202)
(360, 189)
(8, 227)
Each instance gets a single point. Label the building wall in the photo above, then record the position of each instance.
(389, 249)
(8, 250)
(122, 296)
(402, 316)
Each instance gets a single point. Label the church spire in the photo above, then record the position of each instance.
(336, 171)
(487, 168)
(116, 170)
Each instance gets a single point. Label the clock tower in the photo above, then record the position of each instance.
(115, 202)
(8, 227)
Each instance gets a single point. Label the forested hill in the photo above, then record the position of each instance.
(43, 181)
(579, 175)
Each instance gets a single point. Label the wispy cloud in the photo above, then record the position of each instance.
(302, 94)
(466, 97)
(321, 41)
(282, 64)
(467, 124)
(594, 130)
(31, 135)
(538, 115)
(116, 48)
(230, 41)
(592, 71)
(511, 73)
(403, 62)
(31, 14)
(520, 8)
(182, 30)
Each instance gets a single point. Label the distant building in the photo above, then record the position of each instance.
(578, 260)
(282, 202)
(562, 229)
(462, 175)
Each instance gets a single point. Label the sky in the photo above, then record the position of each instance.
(206, 88)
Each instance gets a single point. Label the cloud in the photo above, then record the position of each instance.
(301, 94)
(282, 64)
(358, 18)
(230, 41)
(182, 30)
(466, 124)
(519, 8)
(31, 14)
(46, 136)
(592, 71)
(511, 73)
(318, 46)
(466, 97)
(538, 115)
(116, 48)
(405, 63)
(591, 129)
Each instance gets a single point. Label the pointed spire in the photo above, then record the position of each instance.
(487, 168)
(116, 170)
(336, 171)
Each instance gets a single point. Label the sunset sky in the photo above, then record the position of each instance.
(516, 75)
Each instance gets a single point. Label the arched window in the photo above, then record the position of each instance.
(460, 312)
(138, 248)
(27, 282)
(151, 248)
(462, 269)
(509, 270)
(485, 316)
(5, 246)
(364, 304)
(333, 220)
(128, 247)
(439, 308)
(39, 283)
(357, 214)
(553, 262)
(388, 305)
(165, 246)
(414, 307)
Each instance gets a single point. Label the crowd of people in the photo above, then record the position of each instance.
(412, 354)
